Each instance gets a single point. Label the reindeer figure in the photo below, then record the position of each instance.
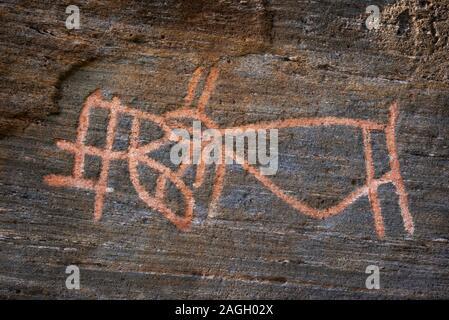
(169, 121)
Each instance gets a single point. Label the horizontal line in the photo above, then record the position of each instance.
(311, 122)
(91, 150)
(69, 181)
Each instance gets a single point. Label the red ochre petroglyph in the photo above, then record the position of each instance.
(137, 154)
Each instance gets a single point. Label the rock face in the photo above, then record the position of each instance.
(363, 120)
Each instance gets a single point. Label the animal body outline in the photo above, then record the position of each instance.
(137, 154)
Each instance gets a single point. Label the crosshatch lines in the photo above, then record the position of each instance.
(194, 109)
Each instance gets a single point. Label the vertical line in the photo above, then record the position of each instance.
(135, 132)
(193, 84)
(83, 126)
(161, 187)
(208, 88)
(396, 176)
(102, 183)
(161, 182)
(200, 171)
(372, 186)
(204, 99)
(220, 173)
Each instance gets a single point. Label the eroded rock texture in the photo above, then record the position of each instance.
(276, 60)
